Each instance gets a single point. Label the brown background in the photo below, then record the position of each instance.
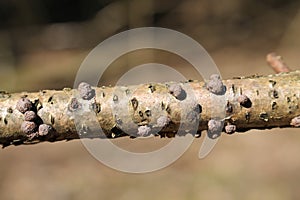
(42, 46)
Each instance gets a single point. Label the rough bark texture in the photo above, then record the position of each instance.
(257, 102)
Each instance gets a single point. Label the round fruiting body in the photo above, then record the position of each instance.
(85, 91)
(28, 127)
(24, 105)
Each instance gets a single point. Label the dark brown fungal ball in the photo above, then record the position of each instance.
(85, 91)
(162, 121)
(144, 131)
(24, 105)
(215, 85)
(230, 129)
(177, 91)
(28, 127)
(30, 116)
(215, 125)
(295, 121)
(214, 128)
(244, 101)
(45, 129)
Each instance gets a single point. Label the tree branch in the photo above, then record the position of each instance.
(276, 62)
(258, 102)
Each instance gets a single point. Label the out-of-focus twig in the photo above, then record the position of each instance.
(276, 62)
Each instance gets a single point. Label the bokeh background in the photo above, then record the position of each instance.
(43, 43)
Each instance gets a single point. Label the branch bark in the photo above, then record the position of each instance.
(257, 102)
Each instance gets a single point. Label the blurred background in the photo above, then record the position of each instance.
(43, 43)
